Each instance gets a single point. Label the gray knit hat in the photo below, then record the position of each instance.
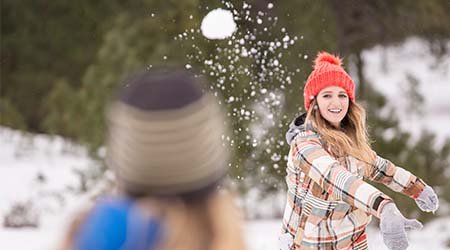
(165, 135)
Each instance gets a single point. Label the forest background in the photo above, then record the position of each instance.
(61, 60)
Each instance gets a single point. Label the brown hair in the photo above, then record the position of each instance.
(351, 138)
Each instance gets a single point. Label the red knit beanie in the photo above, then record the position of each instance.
(327, 72)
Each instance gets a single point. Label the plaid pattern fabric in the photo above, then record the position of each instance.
(328, 203)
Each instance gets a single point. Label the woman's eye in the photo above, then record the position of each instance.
(343, 96)
(326, 96)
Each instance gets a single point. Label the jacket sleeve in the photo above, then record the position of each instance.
(325, 170)
(394, 177)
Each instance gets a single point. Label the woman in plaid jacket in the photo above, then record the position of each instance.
(328, 203)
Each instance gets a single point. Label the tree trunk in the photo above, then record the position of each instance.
(359, 63)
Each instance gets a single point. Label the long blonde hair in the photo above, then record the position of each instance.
(351, 138)
(211, 224)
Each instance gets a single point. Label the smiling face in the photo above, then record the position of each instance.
(333, 104)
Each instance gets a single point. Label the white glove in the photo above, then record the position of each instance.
(285, 241)
(393, 227)
(427, 200)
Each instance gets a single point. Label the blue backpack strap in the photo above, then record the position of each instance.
(114, 224)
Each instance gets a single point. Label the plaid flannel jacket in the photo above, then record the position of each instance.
(328, 203)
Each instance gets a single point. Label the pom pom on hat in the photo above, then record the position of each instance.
(327, 72)
(327, 57)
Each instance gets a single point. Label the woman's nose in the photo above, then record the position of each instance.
(335, 100)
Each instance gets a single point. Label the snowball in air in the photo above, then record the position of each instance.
(218, 24)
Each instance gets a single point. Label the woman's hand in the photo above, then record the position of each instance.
(393, 227)
(428, 200)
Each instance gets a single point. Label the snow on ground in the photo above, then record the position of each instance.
(259, 235)
(39, 168)
(262, 235)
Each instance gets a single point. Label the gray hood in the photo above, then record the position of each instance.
(297, 125)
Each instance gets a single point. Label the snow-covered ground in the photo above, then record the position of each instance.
(45, 170)
(259, 235)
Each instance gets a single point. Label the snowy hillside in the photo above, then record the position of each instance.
(39, 169)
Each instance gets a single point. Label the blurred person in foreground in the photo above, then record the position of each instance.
(329, 204)
(165, 148)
